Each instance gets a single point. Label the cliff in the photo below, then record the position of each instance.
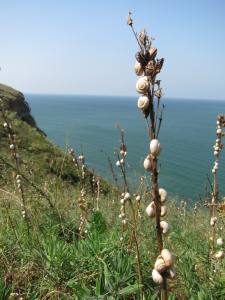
(41, 160)
(15, 101)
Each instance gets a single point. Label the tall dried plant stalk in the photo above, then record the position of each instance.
(220, 124)
(148, 66)
(126, 198)
(79, 162)
(16, 158)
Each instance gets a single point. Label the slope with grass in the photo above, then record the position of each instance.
(52, 261)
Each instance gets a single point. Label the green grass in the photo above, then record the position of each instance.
(53, 262)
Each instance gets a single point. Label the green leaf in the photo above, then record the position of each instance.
(130, 289)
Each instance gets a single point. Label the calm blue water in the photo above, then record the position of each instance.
(187, 136)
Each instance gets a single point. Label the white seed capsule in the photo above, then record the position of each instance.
(12, 146)
(155, 147)
(164, 226)
(138, 68)
(162, 194)
(157, 277)
(160, 265)
(219, 242)
(219, 131)
(5, 125)
(147, 164)
(150, 210)
(124, 222)
(122, 201)
(216, 153)
(127, 196)
(219, 254)
(142, 85)
(213, 170)
(163, 211)
(217, 140)
(167, 257)
(143, 102)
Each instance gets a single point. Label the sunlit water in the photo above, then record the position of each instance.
(187, 136)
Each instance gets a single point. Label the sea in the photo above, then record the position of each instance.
(89, 125)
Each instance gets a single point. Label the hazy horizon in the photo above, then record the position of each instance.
(122, 96)
(84, 47)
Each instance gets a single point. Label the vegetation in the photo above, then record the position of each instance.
(52, 261)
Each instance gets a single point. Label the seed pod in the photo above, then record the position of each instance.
(219, 131)
(159, 65)
(167, 257)
(138, 68)
(147, 164)
(150, 210)
(157, 277)
(160, 265)
(153, 53)
(142, 85)
(155, 147)
(12, 146)
(150, 68)
(164, 226)
(143, 102)
(163, 211)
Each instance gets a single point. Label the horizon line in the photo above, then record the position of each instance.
(121, 96)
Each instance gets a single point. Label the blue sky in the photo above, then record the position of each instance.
(85, 47)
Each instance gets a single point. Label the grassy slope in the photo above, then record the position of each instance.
(51, 262)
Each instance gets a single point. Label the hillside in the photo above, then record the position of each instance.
(41, 161)
(61, 237)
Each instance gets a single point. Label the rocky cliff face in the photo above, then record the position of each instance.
(15, 101)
